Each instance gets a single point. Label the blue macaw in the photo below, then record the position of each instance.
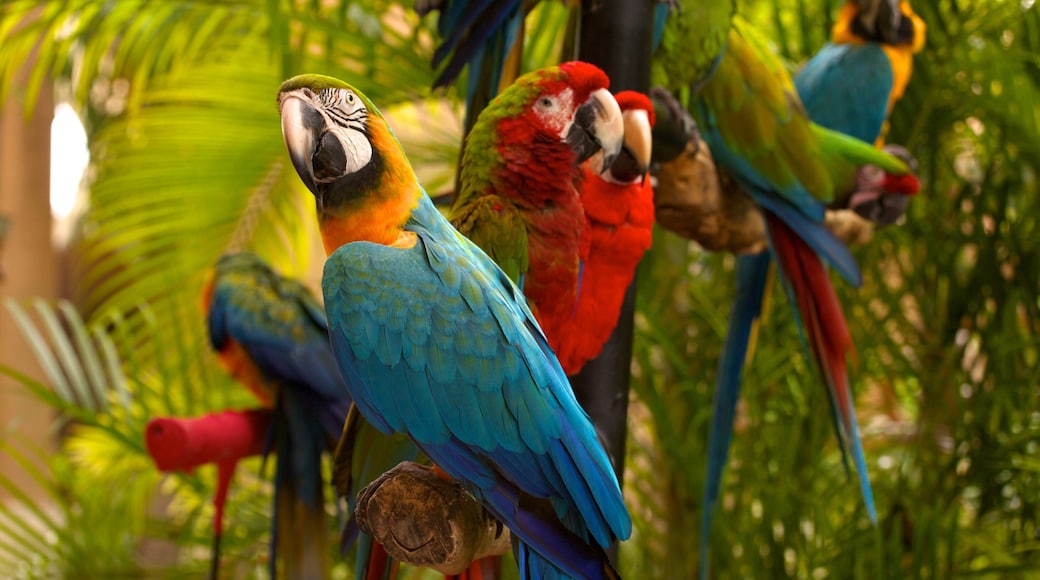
(753, 122)
(437, 343)
(271, 335)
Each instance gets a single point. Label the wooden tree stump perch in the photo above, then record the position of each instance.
(693, 199)
(699, 202)
(425, 520)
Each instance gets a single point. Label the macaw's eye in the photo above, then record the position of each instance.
(545, 102)
(349, 98)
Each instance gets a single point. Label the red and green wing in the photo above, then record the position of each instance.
(497, 226)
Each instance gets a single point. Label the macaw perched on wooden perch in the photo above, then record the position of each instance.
(751, 118)
(436, 342)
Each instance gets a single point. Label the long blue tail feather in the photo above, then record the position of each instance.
(816, 340)
(752, 272)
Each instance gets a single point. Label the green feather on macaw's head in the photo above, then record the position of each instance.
(321, 83)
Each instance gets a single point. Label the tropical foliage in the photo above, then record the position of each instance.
(187, 163)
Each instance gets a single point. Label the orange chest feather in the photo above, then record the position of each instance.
(381, 215)
(234, 359)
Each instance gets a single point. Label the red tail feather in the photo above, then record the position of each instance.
(487, 568)
(378, 559)
(822, 318)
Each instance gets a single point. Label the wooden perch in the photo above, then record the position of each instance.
(426, 520)
(697, 201)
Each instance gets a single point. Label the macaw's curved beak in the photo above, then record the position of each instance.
(302, 126)
(634, 160)
(882, 19)
(598, 126)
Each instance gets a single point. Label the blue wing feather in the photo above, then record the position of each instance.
(845, 87)
(468, 36)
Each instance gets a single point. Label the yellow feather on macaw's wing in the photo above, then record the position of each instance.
(757, 113)
(755, 57)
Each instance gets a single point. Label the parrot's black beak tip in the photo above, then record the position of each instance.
(608, 160)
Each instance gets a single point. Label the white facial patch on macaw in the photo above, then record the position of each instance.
(556, 111)
(346, 117)
(357, 149)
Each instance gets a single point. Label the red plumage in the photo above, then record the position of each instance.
(621, 218)
(537, 176)
(822, 319)
(905, 184)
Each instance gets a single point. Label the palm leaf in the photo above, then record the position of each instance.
(103, 475)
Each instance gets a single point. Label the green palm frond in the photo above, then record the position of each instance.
(89, 41)
(102, 475)
(210, 175)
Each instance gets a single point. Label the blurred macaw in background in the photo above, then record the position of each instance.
(854, 81)
(271, 335)
(851, 86)
(434, 339)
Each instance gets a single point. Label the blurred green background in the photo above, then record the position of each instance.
(186, 160)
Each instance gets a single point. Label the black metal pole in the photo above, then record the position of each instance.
(615, 35)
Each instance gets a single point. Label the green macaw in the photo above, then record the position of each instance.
(519, 195)
(751, 118)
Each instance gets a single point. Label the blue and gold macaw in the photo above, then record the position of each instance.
(437, 343)
(271, 335)
(853, 82)
(750, 116)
